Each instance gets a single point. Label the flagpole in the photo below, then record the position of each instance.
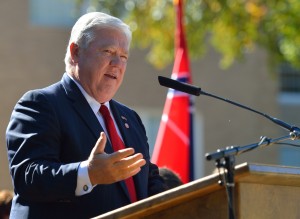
(191, 161)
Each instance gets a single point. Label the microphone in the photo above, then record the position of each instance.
(177, 85)
(196, 91)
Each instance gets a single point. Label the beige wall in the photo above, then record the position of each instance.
(32, 57)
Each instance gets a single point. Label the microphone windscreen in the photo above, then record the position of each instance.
(180, 86)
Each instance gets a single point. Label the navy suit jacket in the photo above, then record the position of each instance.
(51, 130)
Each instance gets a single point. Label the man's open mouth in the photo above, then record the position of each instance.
(111, 76)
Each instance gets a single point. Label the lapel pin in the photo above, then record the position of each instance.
(126, 125)
(123, 117)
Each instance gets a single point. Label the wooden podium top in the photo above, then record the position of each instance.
(171, 199)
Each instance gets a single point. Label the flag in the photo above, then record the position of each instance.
(173, 147)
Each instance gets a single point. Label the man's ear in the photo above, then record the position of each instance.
(74, 51)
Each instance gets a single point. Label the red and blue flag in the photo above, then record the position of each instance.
(174, 144)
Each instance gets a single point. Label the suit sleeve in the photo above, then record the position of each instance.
(34, 143)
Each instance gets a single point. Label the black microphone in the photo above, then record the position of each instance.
(181, 86)
(191, 89)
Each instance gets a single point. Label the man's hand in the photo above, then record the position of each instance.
(109, 168)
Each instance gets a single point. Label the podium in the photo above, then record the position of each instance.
(261, 192)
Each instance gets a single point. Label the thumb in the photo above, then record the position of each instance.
(100, 144)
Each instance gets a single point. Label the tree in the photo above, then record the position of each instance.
(231, 27)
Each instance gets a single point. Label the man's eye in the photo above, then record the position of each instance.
(108, 51)
(124, 58)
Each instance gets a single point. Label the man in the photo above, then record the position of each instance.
(61, 166)
(170, 177)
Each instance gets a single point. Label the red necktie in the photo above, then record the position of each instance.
(117, 144)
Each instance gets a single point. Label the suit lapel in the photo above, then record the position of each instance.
(81, 106)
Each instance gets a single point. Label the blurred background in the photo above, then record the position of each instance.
(246, 51)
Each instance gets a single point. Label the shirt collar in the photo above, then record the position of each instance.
(94, 104)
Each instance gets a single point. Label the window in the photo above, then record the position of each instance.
(53, 13)
(289, 79)
(289, 85)
(151, 120)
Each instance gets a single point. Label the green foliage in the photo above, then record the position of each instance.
(231, 27)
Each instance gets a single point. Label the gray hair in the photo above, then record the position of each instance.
(83, 31)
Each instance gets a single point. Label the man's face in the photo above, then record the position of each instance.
(101, 66)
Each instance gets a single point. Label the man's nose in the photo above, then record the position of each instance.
(116, 60)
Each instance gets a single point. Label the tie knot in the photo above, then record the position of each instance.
(104, 110)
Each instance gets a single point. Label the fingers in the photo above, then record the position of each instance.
(134, 168)
(121, 154)
(106, 169)
(100, 144)
(128, 166)
(110, 168)
(131, 162)
(126, 163)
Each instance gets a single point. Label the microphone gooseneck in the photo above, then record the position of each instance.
(196, 91)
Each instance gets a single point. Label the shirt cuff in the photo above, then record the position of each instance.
(84, 185)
